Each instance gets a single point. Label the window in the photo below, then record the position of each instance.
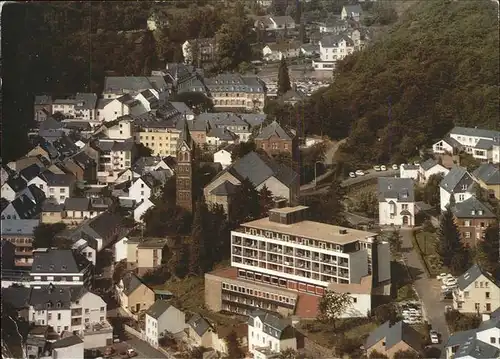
(466, 294)
(404, 206)
(461, 197)
(58, 316)
(487, 295)
(101, 319)
(492, 340)
(467, 234)
(467, 223)
(87, 311)
(477, 306)
(62, 190)
(50, 316)
(102, 309)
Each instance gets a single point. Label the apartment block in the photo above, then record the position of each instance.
(284, 263)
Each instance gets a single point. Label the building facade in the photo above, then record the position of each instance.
(184, 170)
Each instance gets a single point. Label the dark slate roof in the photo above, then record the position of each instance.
(493, 322)
(356, 8)
(399, 188)
(144, 162)
(428, 164)
(496, 313)
(133, 83)
(274, 129)
(128, 100)
(58, 180)
(30, 172)
(158, 308)
(51, 205)
(25, 207)
(149, 180)
(185, 137)
(483, 144)
(16, 183)
(58, 261)
(43, 100)
(67, 342)
(222, 134)
(106, 226)
(4, 203)
(472, 208)
(50, 123)
(453, 177)
(458, 338)
(83, 159)
(51, 297)
(18, 297)
(334, 40)
(394, 334)
(471, 275)
(475, 132)
(199, 324)
(77, 204)
(475, 348)
(130, 283)
(273, 324)
(65, 146)
(224, 189)
(229, 82)
(86, 101)
(488, 173)
(258, 168)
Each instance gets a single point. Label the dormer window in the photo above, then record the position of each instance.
(480, 212)
(48, 305)
(63, 267)
(473, 212)
(51, 267)
(59, 305)
(464, 187)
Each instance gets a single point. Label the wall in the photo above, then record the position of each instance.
(172, 320)
(213, 292)
(223, 157)
(384, 262)
(120, 249)
(91, 305)
(380, 347)
(486, 335)
(276, 187)
(73, 352)
(98, 339)
(478, 295)
(143, 296)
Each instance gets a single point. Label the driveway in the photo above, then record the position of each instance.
(143, 349)
(428, 289)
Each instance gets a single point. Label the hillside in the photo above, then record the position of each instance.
(437, 67)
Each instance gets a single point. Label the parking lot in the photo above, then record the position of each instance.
(411, 312)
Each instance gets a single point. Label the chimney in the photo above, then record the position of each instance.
(342, 231)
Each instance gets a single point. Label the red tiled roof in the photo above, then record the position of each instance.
(307, 306)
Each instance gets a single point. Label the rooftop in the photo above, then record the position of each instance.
(312, 230)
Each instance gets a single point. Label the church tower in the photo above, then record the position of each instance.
(184, 173)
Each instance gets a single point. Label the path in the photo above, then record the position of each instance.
(143, 349)
(428, 289)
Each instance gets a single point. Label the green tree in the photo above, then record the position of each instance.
(386, 312)
(242, 149)
(327, 208)
(406, 354)
(119, 270)
(288, 353)
(169, 191)
(234, 349)
(197, 101)
(367, 202)
(244, 205)
(166, 219)
(198, 251)
(431, 190)
(44, 235)
(265, 200)
(448, 243)
(178, 259)
(332, 305)
(377, 355)
(283, 78)
(233, 43)
(487, 250)
(395, 242)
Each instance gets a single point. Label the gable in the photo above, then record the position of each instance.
(466, 180)
(481, 278)
(226, 176)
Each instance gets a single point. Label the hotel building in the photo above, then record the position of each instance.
(284, 263)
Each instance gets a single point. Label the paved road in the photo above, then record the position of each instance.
(144, 350)
(428, 289)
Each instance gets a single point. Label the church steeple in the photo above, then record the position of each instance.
(184, 170)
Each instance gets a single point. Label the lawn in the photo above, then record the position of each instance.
(426, 242)
(401, 283)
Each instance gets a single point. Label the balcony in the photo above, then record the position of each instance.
(236, 251)
(76, 312)
(237, 241)
(344, 263)
(76, 321)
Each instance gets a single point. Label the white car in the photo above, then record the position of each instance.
(395, 167)
(352, 174)
(434, 337)
(360, 173)
(441, 276)
(377, 168)
(383, 168)
(450, 282)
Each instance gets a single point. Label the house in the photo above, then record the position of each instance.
(482, 342)
(149, 99)
(42, 107)
(134, 296)
(360, 37)
(430, 167)
(274, 139)
(274, 23)
(117, 86)
(12, 186)
(198, 51)
(82, 166)
(200, 331)
(488, 177)
(119, 129)
(68, 347)
(162, 318)
(109, 109)
(334, 25)
(236, 92)
(477, 292)
(19, 232)
(292, 96)
(310, 50)
(114, 157)
(483, 145)
(269, 334)
(261, 170)
(79, 209)
(223, 157)
(144, 188)
(276, 51)
(408, 170)
(237, 123)
(459, 183)
(333, 48)
(57, 186)
(219, 136)
(81, 106)
(472, 218)
(351, 12)
(389, 339)
(62, 266)
(27, 205)
(396, 201)
(148, 253)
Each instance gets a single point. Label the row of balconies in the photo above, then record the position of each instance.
(254, 254)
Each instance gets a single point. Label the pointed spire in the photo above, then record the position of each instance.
(186, 134)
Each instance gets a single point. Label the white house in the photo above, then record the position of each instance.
(430, 167)
(58, 186)
(68, 347)
(219, 136)
(333, 48)
(144, 188)
(269, 334)
(149, 99)
(12, 186)
(457, 182)
(273, 23)
(114, 157)
(117, 86)
(162, 318)
(120, 129)
(111, 109)
(141, 208)
(276, 51)
(334, 25)
(81, 106)
(483, 342)
(351, 12)
(408, 170)
(396, 199)
(223, 157)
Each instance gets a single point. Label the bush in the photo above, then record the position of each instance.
(348, 346)
(458, 322)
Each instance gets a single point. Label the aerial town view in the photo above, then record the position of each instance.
(265, 179)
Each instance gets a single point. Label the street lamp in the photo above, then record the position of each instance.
(315, 163)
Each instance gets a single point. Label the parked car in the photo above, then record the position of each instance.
(108, 352)
(434, 335)
(377, 168)
(360, 173)
(383, 168)
(352, 174)
(131, 353)
(116, 338)
(395, 167)
(441, 276)
(124, 355)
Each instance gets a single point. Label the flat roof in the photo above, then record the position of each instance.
(312, 230)
(288, 209)
(364, 287)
